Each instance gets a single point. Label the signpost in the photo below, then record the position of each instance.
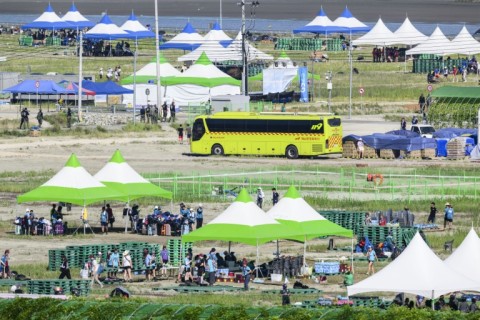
(429, 88)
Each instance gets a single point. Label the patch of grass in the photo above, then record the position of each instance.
(141, 127)
(56, 119)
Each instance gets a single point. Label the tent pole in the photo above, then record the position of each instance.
(304, 254)
(258, 263)
(350, 48)
(80, 76)
(433, 305)
(351, 257)
(135, 79)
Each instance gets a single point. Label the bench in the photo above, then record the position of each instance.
(448, 245)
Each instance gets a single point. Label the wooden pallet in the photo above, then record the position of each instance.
(294, 291)
(456, 149)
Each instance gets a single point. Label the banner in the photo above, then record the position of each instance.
(303, 78)
(278, 79)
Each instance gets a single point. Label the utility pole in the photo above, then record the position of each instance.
(157, 54)
(242, 4)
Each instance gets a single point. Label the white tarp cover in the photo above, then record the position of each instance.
(416, 271)
(277, 79)
(466, 258)
(408, 35)
(437, 43)
(464, 43)
(380, 35)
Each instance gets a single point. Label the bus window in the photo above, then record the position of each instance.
(334, 122)
(256, 125)
(215, 125)
(198, 130)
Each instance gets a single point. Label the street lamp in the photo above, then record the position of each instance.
(254, 5)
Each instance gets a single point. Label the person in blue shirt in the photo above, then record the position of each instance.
(104, 220)
(148, 264)
(371, 256)
(199, 216)
(448, 218)
(247, 273)
(113, 262)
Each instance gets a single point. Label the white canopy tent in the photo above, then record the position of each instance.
(216, 34)
(214, 51)
(408, 35)
(416, 271)
(464, 43)
(466, 258)
(379, 35)
(252, 52)
(437, 43)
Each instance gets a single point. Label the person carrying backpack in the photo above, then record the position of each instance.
(448, 218)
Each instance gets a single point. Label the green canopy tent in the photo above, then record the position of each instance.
(293, 211)
(454, 107)
(72, 184)
(118, 175)
(244, 222)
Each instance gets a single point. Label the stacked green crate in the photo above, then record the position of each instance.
(177, 250)
(348, 219)
(55, 258)
(378, 234)
(48, 286)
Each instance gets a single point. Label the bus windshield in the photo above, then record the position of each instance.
(198, 130)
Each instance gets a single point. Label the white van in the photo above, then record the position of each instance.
(424, 130)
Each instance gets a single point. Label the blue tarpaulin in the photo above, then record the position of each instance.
(107, 87)
(44, 87)
(395, 142)
(450, 133)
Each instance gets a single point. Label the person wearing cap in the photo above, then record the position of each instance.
(371, 256)
(199, 216)
(360, 148)
(260, 196)
(448, 218)
(433, 213)
(246, 273)
(127, 266)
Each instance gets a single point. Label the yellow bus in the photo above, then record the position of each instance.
(266, 134)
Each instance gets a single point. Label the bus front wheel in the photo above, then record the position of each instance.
(217, 150)
(291, 152)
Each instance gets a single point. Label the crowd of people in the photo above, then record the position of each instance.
(454, 303)
(30, 224)
(385, 54)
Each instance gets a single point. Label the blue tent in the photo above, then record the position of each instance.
(136, 29)
(44, 87)
(106, 29)
(321, 24)
(348, 23)
(76, 19)
(188, 39)
(107, 87)
(48, 20)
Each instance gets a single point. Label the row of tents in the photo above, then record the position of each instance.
(406, 34)
(115, 181)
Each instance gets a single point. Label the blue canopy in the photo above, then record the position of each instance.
(188, 39)
(107, 87)
(44, 87)
(348, 23)
(321, 24)
(106, 29)
(136, 29)
(48, 20)
(76, 19)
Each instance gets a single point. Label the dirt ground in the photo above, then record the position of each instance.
(153, 152)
